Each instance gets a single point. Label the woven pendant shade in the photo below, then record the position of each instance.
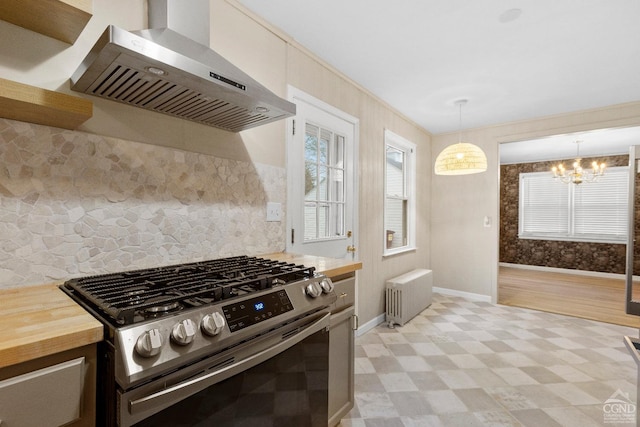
(461, 159)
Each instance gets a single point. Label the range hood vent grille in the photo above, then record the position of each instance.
(123, 84)
(186, 80)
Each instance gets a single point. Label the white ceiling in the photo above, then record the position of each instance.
(512, 59)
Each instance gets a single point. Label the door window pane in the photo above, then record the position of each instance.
(323, 221)
(324, 183)
(310, 221)
(310, 180)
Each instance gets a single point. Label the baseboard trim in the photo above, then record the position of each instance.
(363, 329)
(564, 270)
(468, 295)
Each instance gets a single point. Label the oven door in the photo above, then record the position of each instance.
(280, 379)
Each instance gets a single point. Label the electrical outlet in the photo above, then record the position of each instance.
(274, 212)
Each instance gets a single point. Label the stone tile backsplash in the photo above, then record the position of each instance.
(76, 204)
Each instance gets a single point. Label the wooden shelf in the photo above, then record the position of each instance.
(31, 104)
(61, 19)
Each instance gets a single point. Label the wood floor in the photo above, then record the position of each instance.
(589, 297)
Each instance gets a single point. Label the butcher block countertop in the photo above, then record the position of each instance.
(331, 267)
(40, 321)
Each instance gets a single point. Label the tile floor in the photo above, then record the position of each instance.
(462, 363)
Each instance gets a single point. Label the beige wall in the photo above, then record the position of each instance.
(311, 76)
(465, 253)
(273, 60)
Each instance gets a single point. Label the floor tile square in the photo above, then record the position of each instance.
(398, 381)
(467, 361)
(456, 378)
(375, 405)
(536, 417)
(414, 364)
(572, 394)
(411, 404)
(476, 399)
(444, 401)
(514, 376)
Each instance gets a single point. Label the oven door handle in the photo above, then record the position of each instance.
(182, 390)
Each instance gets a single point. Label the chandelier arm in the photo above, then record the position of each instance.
(578, 175)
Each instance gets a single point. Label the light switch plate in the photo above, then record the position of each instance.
(274, 212)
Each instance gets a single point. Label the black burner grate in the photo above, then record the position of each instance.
(129, 297)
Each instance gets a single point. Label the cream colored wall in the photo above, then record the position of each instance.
(275, 61)
(464, 254)
(307, 73)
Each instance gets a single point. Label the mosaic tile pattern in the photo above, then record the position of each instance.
(465, 363)
(74, 204)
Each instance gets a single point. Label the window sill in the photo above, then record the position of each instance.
(397, 251)
(576, 239)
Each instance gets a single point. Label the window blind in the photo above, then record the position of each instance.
(601, 208)
(586, 212)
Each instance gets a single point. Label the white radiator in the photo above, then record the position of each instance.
(407, 295)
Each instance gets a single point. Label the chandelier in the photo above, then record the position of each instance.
(578, 175)
(461, 158)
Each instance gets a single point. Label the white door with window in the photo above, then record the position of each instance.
(321, 179)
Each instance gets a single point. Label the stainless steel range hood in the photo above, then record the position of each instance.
(164, 71)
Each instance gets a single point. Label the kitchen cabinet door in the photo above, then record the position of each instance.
(341, 365)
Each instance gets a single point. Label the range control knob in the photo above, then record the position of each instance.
(212, 324)
(313, 289)
(149, 343)
(327, 285)
(183, 332)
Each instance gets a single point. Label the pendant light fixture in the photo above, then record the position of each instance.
(461, 158)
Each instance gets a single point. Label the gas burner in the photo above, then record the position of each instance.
(163, 308)
(134, 296)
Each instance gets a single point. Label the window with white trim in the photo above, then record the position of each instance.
(590, 212)
(400, 190)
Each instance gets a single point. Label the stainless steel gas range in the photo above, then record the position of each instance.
(227, 342)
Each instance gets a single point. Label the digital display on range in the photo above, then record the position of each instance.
(255, 310)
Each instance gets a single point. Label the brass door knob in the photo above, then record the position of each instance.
(351, 248)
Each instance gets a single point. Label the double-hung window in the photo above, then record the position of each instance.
(591, 212)
(400, 190)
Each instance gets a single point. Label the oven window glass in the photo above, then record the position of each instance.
(290, 389)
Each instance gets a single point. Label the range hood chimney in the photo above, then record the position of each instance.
(165, 71)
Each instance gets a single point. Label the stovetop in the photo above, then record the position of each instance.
(136, 296)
